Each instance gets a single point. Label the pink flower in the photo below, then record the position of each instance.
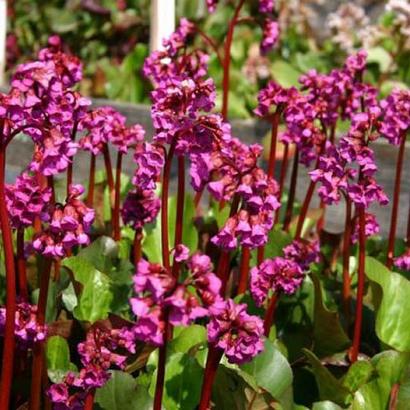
(403, 261)
(270, 36)
(266, 6)
(372, 227)
(238, 334)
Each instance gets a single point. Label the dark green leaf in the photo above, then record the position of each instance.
(58, 358)
(188, 337)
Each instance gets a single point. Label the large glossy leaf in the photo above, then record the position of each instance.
(122, 392)
(96, 296)
(285, 74)
(152, 237)
(325, 405)
(391, 367)
(392, 317)
(271, 370)
(187, 338)
(329, 336)
(330, 388)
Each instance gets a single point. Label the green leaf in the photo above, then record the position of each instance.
(122, 392)
(392, 318)
(58, 358)
(152, 237)
(391, 368)
(330, 388)
(380, 56)
(325, 405)
(96, 296)
(188, 338)
(358, 374)
(285, 74)
(329, 335)
(271, 370)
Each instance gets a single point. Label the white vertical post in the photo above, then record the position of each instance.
(3, 30)
(162, 22)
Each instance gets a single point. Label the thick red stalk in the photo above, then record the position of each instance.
(273, 144)
(292, 191)
(91, 182)
(282, 177)
(9, 338)
(21, 266)
(137, 249)
(117, 200)
(270, 314)
(354, 352)
(38, 350)
(304, 209)
(70, 165)
(164, 207)
(227, 59)
(89, 400)
(179, 220)
(394, 396)
(396, 198)
(212, 362)
(244, 270)
(108, 170)
(346, 258)
(162, 356)
(223, 263)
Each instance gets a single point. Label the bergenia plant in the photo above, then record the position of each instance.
(209, 285)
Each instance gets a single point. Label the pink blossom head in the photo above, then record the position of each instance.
(275, 275)
(372, 227)
(303, 252)
(234, 331)
(403, 261)
(266, 6)
(270, 36)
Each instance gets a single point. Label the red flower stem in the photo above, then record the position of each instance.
(227, 59)
(282, 177)
(70, 165)
(244, 270)
(273, 143)
(57, 270)
(197, 198)
(38, 350)
(164, 207)
(91, 183)
(159, 387)
(21, 266)
(89, 400)
(9, 338)
(223, 263)
(346, 296)
(396, 198)
(260, 254)
(270, 314)
(137, 248)
(108, 170)
(354, 352)
(179, 220)
(212, 362)
(304, 209)
(292, 191)
(117, 200)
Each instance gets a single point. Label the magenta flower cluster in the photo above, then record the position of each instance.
(68, 225)
(99, 353)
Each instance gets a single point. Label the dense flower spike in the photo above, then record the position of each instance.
(27, 330)
(98, 355)
(372, 227)
(270, 35)
(266, 6)
(211, 4)
(26, 200)
(396, 116)
(234, 331)
(275, 275)
(303, 252)
(273, 96)
(403, 261)
(160, 297)
(68, 226)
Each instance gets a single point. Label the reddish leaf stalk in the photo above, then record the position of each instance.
(108, 170)
(227, 59)
(70, 165)
(91, 182)
(137, 246)
(396, 198)
(223, 263)
(354, 352)
(117, 200)
(21, 266)
(282, 177)
(394, 396)
(304, 209)
(346, 257)
(89, 400)
(244, 270)
(270, 314)
(292, 191)
(38, 350)
(179, 222)
(9, 338)
(212, 363)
